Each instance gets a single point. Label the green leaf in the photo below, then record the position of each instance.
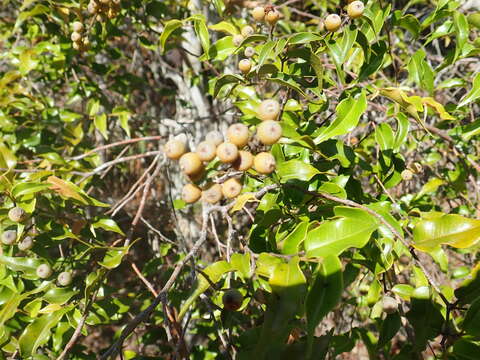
(303, 38)
(202, 32)
(113, 257)
(473, 94)
(266, 52)
(27, 188)
(37, 333)
(214, 273)
(296, 170)
(58, 295)
(464, 349)
(100, 122)
(471, 322)
(384, 136)
(431, 186)
(324, 294)
(335, 236)
(9, 308)
(348, 114)
(420, 71)
(170, 26)
(450, 229)
(425, 319)
(107, 224)
(26, 265)
(224, 26)
(389, 329)
(241, 263)
(469, 289)
(293, 240)
(265, 264)
(69, 190)
(225, 80)
(461, 28)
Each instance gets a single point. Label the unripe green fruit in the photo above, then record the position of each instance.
(238, 39)
(269, 132)
(190, 163)
(191, 193)
(77, 26)
(232, 300)
(249, 52)
(389, 304)
(258, 13)
(64, 278)
(174, 149)
(9, 237)
(238, 134)
(264, 163)
(333, 22)
(247, 31)
(212, 193)
(227, 152)
(76, 37)
(244, 161)
(25, 244)
(206, 150)
(407, 175)
(17, 214)
(355, 9)
(231, 188)
(214, 137)
(272, 17)
(44, 271)
(245, 65)
(268, 109)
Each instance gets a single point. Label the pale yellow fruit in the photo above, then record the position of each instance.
(333, 22)
(174, 149)
(264, 163)
(206, 150)
(76, 37)
(238, 39)
(238, 134)
(249, 52)
(407, 175)
(258, 13)
(247, 31)
(269, 132)
(77, 26)
(17, 214)
(355, 9)
(44, 271)
(389, 304)
(9, 237)
(268, 109)
(227, 152)
(212, 194)
(245, 65)
(25, 244)
(190, 163)
(272, 17)
(231, 188)
(64, 278)
(244, 161)
(214, 137)
(191, 193)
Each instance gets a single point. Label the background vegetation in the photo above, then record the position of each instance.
(363, 243)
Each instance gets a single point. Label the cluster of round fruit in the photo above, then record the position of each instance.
(228, 152)
(104, 9)
(9, 237)
(354, 10)
(80, 42)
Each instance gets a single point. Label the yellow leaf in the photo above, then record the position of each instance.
(64, 188)
(444, 115)
(242, 200)
(50, 309)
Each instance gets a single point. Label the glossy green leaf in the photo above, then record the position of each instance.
(469, 289)
(293, 240)
(113, 257)
(107, 224)
(27, 188)
(170, 26)
(471, 322)
(324, 294)
(473, 94)
(450, 229)
(296, 170)
(390, 327)
(224, 26)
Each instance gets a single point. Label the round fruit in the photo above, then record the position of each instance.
(9, 237)
(264, 163)
(77, 46)
(333, 22)
(25, 244)
(272, 17)
(269, 132)
(238, 39)
(245, 65)
(238, 134)
(231, 188)
(77, 26)
(269, 109)
(92, 7)
(64, 278)
(244, 161)
(206, 150)
(190, 163)
(227, 152)
(191, 193)
(17, 214)
(44, 271)
(232, 299)
(174, 149)
(258, 13)
(76, 37)
(389, 304)
(417, 167)
(214, 137)
(212, 194)
(355, 9)
(247, 31)
(249, 52)
(407, 175)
